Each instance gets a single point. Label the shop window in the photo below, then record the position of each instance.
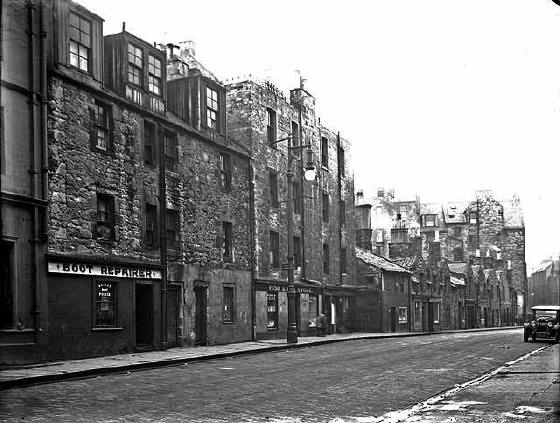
(436, 308)
(100, 132)
(212, 110)
(151, 225)
(271, 126)
(6, 285)
(326, 259)
(226, 241)
(154, 75)
(273, 182)
(105, 305)
(272, 310)
(79, 42)
(324, 152)
(297, 251)
(104, 228)
(149, 143)
(403, 314)
(274, 249)
(172, 226)
(228, 303)
(224, 164)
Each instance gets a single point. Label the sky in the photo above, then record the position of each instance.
(439, 98)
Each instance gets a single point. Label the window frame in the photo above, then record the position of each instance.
(134, 66)
(155, 80)
(150, 143)
(228, 316)
(403, 317)
(96, 301)
(429, 220)
(170, 143)
(172, 229)
(227, 241)
(325, 206)
(109, 211)
(106, 126)
(325, 152)
(326, 259)
(151, 211)
(212, 108)
(273, 189)
(274, 249)
(224, 171)
(79, 42)
(271, 127)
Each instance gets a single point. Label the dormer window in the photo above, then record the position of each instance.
(429, 220)
(135, 64)
(211, 108)
(80, 42)
(154, 75)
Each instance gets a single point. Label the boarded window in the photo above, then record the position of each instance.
(149, 142)
(271, 126)
(273, 182)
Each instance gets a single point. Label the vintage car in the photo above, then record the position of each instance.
(544, 324)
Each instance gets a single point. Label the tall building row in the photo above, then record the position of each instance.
(144, 203)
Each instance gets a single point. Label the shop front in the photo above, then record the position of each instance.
(98, 307)
(271, 308)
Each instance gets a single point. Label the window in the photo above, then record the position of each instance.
(272, 310)
(297, 196)
(325, 207)
(228, 303)
(295, 134)
(429, 220)
(224, 164)
(6, 285)
(80, 42)
(402, 314)
(271, 126)
(274, 249)
(135, 95)
(458, 253)
(342, 212)
(417, 312)
(105, 305)
(324, 152)
(343, 268)
(341, 169)
(457, 232)
(273, 181)
(473, 218)
(211, 108)
(430, 236)
(100, 126)
(472, 239)
(297, 251)
(105, 218)
(151, 225)
(170, 142)
(172, 226)
(149, 142)
(226, 241)
(326, 259)
(379, 235)
(135, 64)
(399, 235)
(154, 75)
(436, 307)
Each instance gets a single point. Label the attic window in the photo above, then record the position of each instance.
(429, 220)
(451, 211)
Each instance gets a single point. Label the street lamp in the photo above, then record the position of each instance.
(309, 175)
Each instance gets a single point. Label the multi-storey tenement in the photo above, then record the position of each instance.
(272, 126)
(146, 240)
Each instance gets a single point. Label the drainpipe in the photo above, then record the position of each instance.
(44, 112)
(163, 236)
(31, 9)
(252, 247)
(339, 187)
(301, 182)
(409, 314)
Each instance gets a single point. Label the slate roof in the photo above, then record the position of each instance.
(458, 267)
(379, 262)
(412, 263)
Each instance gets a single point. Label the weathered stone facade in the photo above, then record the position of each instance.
(324, 243)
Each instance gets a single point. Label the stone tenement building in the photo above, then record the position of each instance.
(486, 235)
(259, 116)
(544, 285)
(126, 213)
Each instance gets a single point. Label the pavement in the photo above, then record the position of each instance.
(19, 376)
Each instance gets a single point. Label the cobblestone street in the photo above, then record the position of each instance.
(364, 378)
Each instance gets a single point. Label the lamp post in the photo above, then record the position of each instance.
(292, 335)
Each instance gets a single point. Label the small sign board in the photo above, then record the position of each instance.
(115, 271)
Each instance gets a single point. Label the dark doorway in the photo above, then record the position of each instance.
(144, 314)
(393, 319)
(430, 317)
(200, 317)
(172, 315)
(6, 288)
(424, 318)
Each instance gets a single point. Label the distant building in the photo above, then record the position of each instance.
(544, 285)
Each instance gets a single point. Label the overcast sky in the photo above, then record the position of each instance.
(439, 97)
